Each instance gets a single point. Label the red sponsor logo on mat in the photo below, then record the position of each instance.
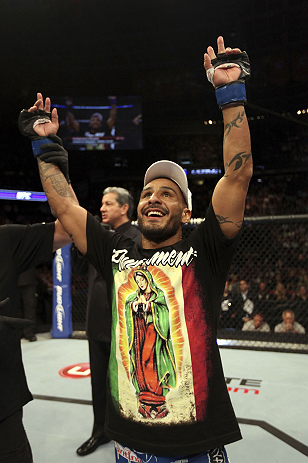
(76, 371)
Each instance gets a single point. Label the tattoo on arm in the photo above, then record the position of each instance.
(222, 220)
(60, 185)
(234, 123)
(44, 168)
(239, 159)
(58, 181)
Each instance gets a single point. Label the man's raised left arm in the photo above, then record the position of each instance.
(228, 72)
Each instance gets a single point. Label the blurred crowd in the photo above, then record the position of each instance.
(263, 307)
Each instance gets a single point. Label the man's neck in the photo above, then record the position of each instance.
(149, 244)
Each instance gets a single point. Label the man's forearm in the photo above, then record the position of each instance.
(59, 193)
(236, 144)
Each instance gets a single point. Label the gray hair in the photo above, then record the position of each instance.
(122, 197)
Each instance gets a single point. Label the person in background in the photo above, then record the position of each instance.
(262, 293)
(116, 213)
(300, 305)
(97, 127)
(228, 309)
(245, 303)
(288, 324)
(280, 293)
(70, 126)
(257, 323)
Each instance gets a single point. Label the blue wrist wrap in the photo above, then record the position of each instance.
(36, 145)
(231, 94)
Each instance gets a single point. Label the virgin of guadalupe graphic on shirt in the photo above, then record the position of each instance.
(152, 359)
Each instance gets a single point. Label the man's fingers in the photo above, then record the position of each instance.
(39, 103)
(47, 105)
(211, 53)
(232, 51)
(220, 45)
(207, 62)
(54, 116)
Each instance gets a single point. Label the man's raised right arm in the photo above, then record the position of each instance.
(40, 126)
(63, 203)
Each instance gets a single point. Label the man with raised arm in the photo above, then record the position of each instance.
(167, 394)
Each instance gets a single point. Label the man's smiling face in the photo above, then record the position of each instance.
(162, 211)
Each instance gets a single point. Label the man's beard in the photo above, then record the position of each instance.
(159, 235)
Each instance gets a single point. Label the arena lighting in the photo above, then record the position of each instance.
(253, 118)
(20, 195)
(299, 112)
(302, 111)
(195, 221)
(191, 222)
(91, 107)
(210, 122)
(204, 171)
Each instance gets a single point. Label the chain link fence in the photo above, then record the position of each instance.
(268, 280)
(267, 286)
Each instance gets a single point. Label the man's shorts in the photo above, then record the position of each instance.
(127, 455)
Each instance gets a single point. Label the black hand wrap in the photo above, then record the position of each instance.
(231, 92)
(54, 153)
(48, 149)
(9, 324)
(27, 120)
(241, 59)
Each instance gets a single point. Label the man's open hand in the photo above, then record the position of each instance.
(38, 122)
(43, 130)
(227, 73)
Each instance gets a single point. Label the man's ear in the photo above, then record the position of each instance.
(125, 208)
(186, 215)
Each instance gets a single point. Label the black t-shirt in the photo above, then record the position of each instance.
(167, 393)
(22, 247)
(98, 320)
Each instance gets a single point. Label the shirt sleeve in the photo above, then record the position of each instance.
(100, 243)
(78, 262)
(215, 254)
(219, 249)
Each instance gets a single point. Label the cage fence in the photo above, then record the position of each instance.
(268, 280)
